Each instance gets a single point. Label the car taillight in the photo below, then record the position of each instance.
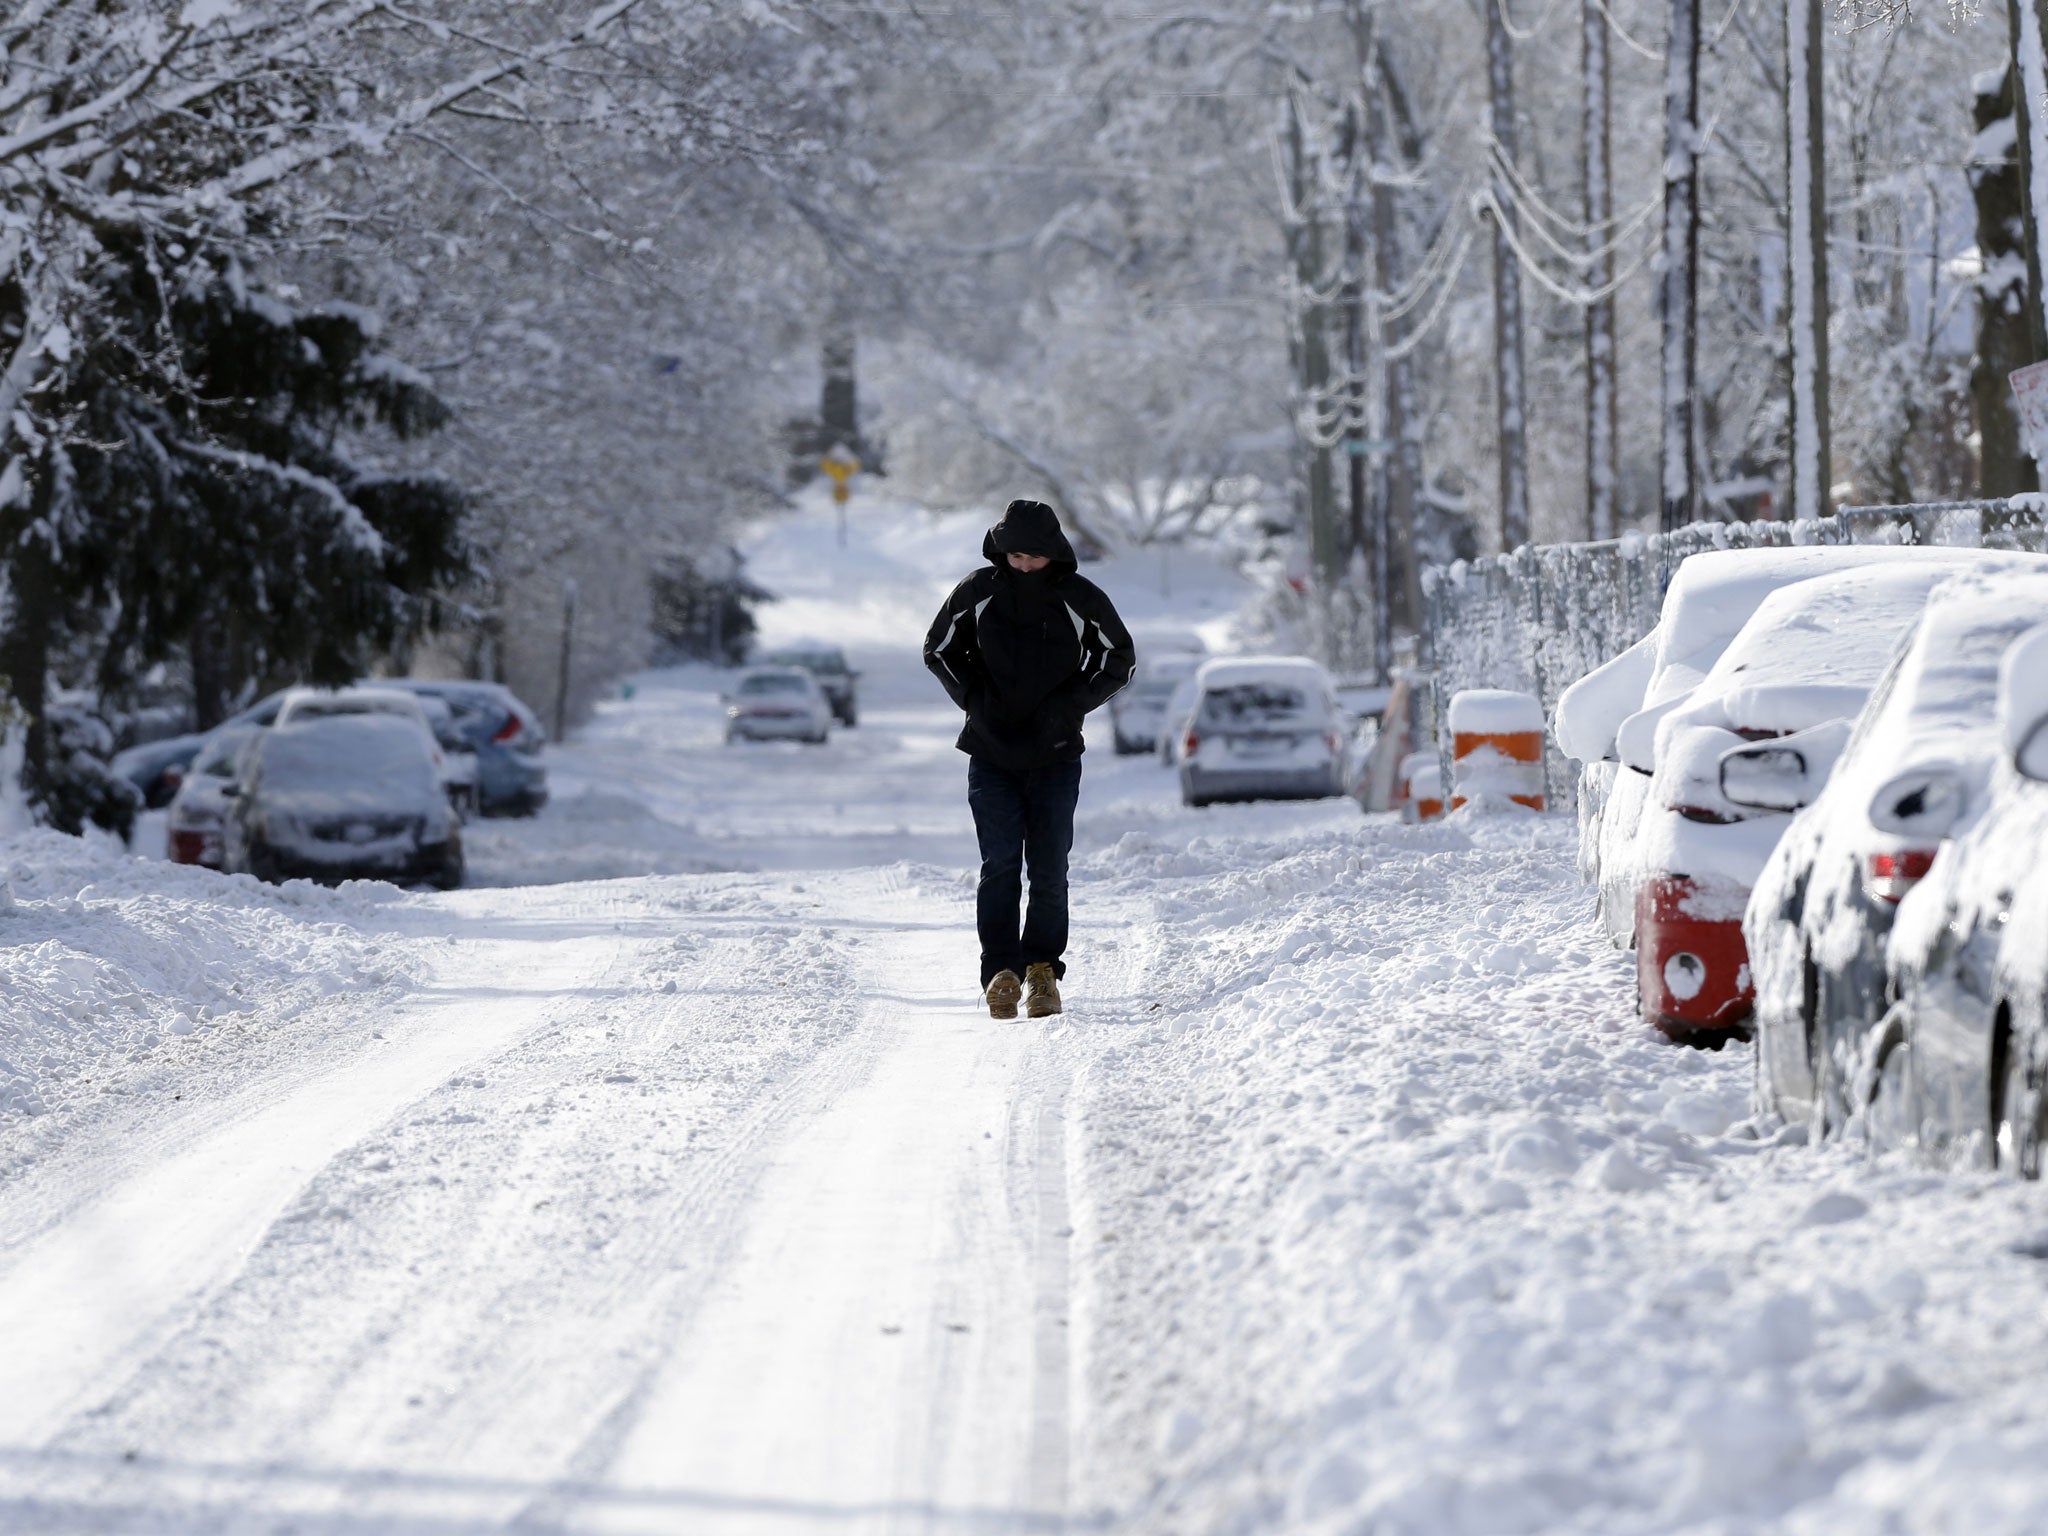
(1893, 874)
(1706, 814)
(174, 778)
(1330, 741)
(510, 731)
(1189, 743)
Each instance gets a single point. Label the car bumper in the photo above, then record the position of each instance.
(510, 782)
(776, 730)
(427, 863)
(1692, 964)
(1259, 783)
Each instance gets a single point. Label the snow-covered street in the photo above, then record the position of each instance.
(677, 1182)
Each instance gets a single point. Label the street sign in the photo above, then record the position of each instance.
(2030, 395)
(842, 466)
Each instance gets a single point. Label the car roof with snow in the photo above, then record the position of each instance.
(357, 699)
(1710, 598)
(1713, 596)
(1235, 671)
(1814, 650)
(1941, 705)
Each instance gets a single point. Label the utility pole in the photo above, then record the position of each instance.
(1511, 408)
(1679, 288)
(1806, 187)
(1356, 169)
(562, 673)
(1389, 469)
(1311, 343)
(1598, 205)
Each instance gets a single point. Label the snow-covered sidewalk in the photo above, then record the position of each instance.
(1396, 1221)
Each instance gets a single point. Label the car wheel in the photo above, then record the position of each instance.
(263, 865)
(449, 876)
(2016, 1116)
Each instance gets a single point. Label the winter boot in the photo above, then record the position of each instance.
(1041, 990)
(1003, 991)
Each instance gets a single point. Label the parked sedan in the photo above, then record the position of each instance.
(1138, 714)
(200, 807)
(1263, 728)
(505, 736)
(777, 704)
(1818, 924)
(1963, 1054)
(338, 797)
(1811, 654)
(827, 663)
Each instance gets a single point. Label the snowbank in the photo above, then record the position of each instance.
(107, 959)
(1398, 1221)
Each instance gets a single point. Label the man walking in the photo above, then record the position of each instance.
(1027, 647)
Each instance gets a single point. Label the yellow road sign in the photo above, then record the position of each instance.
(842, 466)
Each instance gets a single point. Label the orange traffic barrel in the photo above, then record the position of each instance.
(1497, 746)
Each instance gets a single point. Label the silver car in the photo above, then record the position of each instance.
(777, 704)
(1263, 728)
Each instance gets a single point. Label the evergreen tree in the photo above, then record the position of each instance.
(191, 498)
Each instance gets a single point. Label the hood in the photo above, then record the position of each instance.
(1030, 528)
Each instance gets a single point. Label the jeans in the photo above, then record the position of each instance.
(1020, 820)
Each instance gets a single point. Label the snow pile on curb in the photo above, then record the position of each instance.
(1398, 1222)
(105, 958)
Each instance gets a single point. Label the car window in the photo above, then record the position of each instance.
(773, 684)
(217, 758)
(1252, 704)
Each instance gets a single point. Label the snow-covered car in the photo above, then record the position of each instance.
(1608, 720)
(1262, 728)
(458, 778)
(339, 797)
(200, 807)
(1810, 655)
(1818, 922)
(1962, 1057)
(827, 663)
(1138, 713)
(504, 734)
(777, 704)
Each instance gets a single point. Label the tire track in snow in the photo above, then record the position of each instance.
(115, 1277)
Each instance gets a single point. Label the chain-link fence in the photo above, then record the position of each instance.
(1541, 618)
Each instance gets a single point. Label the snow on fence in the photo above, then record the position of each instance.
(1539, 619)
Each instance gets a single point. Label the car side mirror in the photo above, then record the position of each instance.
(2032, 757)
(1766, 777)
(1920, 803)
(1787, 773)
(1636, 742)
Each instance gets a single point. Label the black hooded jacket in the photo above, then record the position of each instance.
(1027, 655)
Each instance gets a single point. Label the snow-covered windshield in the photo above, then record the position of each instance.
(348, 762)
(217, 758)
(1247, 705)
(772, 682)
